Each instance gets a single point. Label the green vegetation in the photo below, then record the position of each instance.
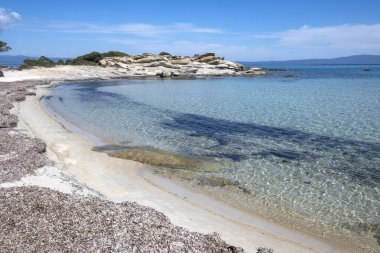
(114, 54)
(4, 47)
(87, 59)
(92, 59)
(61, 62)
(43, 61)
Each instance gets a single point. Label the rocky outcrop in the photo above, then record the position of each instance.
(166, 65)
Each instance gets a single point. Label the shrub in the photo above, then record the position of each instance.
(92, 58)
(40, 62)
(114, 54)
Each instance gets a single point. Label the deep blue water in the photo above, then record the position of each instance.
(306, 148)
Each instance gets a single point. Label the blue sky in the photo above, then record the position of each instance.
(239, 30)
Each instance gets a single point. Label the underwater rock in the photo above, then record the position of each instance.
(156, 157)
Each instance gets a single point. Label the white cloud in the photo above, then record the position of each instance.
(321, 42)
(354, 36)
(7, 18)
(136, 29)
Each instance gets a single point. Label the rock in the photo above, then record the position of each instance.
(206, 59)
(137, 57)
(275, 69)
(121, 65)
(205, 64)
(183, 61)
(189, 70)
(232, 64)
(103, 62)
(215, 62)
(255, 71)
(149, 59)
(222, 66)
(164, 74)
(162, 64)
(206, 55)
(1, 73)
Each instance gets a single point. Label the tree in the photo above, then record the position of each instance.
(4, 47)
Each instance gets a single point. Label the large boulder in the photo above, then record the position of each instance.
(103, 62)
(183, 61)
(222, 66)
(149, 59)
(189, 70)
(206, 58)
(121, 65)
(205, 55)
(215, 62)
(162, 64)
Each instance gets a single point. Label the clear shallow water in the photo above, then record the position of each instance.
(307, 149)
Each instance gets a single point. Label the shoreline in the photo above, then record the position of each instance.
(328, 248)
(41, 200)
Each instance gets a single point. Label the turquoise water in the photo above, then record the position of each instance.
(305, 148)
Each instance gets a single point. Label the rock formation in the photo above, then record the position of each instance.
(166, 65)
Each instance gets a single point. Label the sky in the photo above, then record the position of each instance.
(245, 30)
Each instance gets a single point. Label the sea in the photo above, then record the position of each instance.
(299, 147)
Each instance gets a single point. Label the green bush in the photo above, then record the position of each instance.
(87, 59)
(92, 58)
(114, 54)
(40, 62)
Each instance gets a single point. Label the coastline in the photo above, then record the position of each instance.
(315, 246)
(121, 180)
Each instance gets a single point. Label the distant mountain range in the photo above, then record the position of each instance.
(349, 60)
(17, 60)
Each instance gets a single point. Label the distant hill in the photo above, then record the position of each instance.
(349, 60)
(17, 60)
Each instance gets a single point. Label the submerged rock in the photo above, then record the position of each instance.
(157, 157)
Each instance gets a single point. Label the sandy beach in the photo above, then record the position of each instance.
(75, 166)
